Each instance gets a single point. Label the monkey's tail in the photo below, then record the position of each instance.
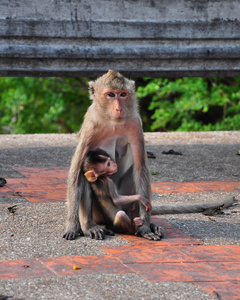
(191, 208)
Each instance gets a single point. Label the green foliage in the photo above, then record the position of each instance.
(193, 104)
(42, 105)
(49, 105)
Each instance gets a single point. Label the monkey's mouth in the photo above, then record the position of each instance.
(118, 114)
(119, 117)
(113, 172)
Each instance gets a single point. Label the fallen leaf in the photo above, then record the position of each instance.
(17, 194)
(25, 266)
(12, 209)
(150, 155)
(172, 152)
(3, 181)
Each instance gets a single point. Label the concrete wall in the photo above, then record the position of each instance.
(138, 37)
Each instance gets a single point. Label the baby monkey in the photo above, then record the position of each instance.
(114, 209)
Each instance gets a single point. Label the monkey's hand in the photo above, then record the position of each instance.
(146, 232)
(73, 234)
(146, 203)
(98, 232)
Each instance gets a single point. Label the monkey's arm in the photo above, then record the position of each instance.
(191, 208)
(76, 187)
(123, 199)
(133, 198)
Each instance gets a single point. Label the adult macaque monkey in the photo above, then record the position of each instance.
(113, 124)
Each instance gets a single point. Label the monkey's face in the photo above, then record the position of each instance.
(107, 168)
(117, 102)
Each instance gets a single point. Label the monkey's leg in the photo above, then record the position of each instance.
(73, 224)
(122, 223)
(141, 179)
(147, 230)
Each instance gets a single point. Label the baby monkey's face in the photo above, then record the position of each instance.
(107, 168)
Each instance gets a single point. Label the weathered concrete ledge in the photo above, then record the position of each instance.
(152, 138)
(139, 38)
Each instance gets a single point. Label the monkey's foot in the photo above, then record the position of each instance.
(145, 232)
(98, 232)
(73, 234)
(137, 222)
(156, 229)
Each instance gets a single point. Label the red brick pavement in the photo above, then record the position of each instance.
(177, 258)
(49, 184)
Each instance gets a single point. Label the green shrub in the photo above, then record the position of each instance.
(193, 104)
(42, 105)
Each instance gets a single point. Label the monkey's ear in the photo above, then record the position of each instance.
(91, 176)
(91, 89)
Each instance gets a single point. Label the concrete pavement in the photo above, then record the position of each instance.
(199, 257)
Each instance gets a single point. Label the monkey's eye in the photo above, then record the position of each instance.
(124, 94)
(111, 95)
